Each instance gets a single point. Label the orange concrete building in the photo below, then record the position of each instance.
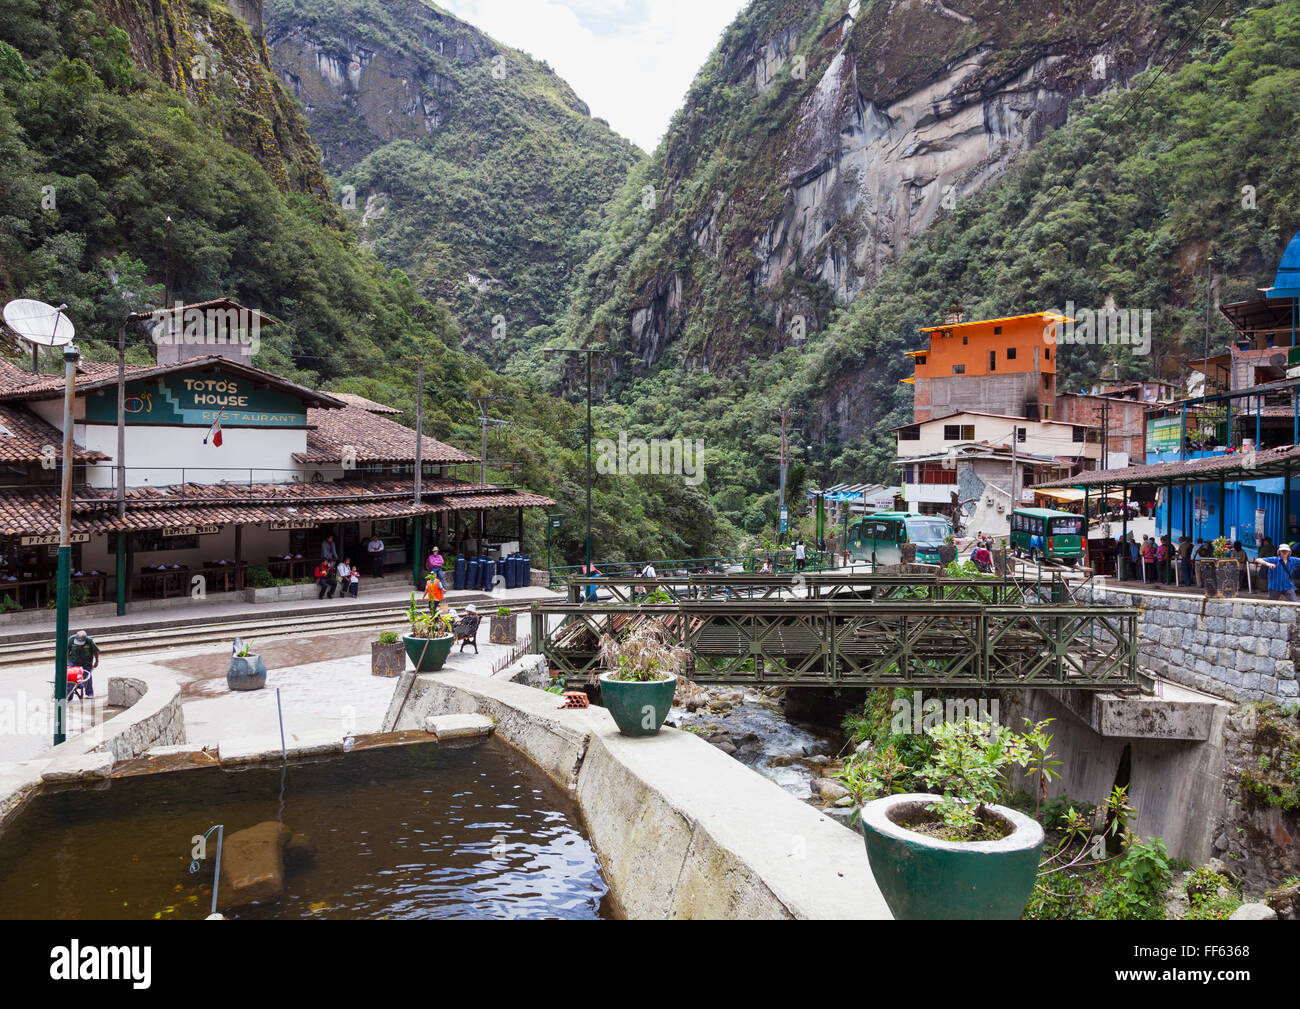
(1000, 366)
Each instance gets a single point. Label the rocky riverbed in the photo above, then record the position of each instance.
(748, 724)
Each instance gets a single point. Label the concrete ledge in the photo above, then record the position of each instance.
(88, 765)
(445, 727)
(681, 829)
(1184, 714)
(265, 749)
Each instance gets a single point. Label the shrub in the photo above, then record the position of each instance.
(388, 638)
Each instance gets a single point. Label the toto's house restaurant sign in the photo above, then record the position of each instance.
(197, 400)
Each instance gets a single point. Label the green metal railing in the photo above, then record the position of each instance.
(782, 560)
(838, 642)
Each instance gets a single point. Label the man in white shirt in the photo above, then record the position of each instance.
(800, 556)
(649, 570)
(375, 548)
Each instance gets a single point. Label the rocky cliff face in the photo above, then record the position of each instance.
(214, 51)
(852, 127)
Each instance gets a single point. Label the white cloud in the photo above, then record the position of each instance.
(631, 61)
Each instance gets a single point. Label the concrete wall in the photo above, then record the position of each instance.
(1177, 785)
(153, 718)
(1238, 649)
(681, 829)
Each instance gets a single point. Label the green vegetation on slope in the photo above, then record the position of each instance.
(491, 212)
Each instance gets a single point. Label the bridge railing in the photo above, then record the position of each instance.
(835, 642)
(1054, 588)
(781, 560)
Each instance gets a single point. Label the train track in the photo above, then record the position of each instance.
(261, 629)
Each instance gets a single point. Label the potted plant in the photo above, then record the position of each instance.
(502, 629)
(430, 640)
(387, 655)
(953, 853)
(642, 677)
(246, 670)
(1226, 569)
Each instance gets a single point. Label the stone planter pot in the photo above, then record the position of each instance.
(639, 709)
(947, 554)
(428, 654)
(246, 673)
(1228, 573)
(908, 551)
(1207, 573)
(925, 878)
(387, 659)
(502, 630)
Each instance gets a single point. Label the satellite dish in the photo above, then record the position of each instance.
(37, 322)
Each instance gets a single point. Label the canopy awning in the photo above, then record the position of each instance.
(1073, 494)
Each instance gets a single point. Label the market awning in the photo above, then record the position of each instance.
(1073, 494)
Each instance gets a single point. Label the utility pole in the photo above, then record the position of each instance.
(417, 520)
(484, 420)
(70, 357)
(588, 351)
(1015, 437)
(1209, 294)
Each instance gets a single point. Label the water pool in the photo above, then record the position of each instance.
(417, 831)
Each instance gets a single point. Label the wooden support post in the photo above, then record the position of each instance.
(121, 574)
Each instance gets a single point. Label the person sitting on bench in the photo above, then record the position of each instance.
(466, 628)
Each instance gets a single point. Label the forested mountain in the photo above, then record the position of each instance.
(470, 166)
(116, 115)
(839, 174)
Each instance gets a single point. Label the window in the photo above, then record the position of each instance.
(1067, 526)
(920, 359)
(997, 330)
(959, 369)
(1021, 433)
(1047, 353)
(965, 340)
(993, 360)
(959, 432)
(1011, 353)
(912, 433)
(1076, 434)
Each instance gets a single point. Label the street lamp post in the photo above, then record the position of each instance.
(70, 357)
(588, 351)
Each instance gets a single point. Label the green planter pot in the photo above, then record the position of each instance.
(428, 659)
(924, 878)
(639, 709)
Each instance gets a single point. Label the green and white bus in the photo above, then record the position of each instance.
(880, 537)
(1046, 534)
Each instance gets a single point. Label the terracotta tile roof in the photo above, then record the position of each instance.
(374, 438)
(369, 405)
(1269, 462)
(36, 511)
(24, 436)
(16, 384)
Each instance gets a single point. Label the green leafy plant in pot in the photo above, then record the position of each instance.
(430, 640)
(643, 666)
(952, 853)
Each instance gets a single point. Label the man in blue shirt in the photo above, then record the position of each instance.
(1280, 583)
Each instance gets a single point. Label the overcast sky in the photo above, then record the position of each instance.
(631, 61)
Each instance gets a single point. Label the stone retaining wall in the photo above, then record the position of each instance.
(1239, 649)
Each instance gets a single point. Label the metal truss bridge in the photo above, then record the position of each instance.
(856, 630)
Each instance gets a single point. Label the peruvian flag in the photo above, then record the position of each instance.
(214, 433)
